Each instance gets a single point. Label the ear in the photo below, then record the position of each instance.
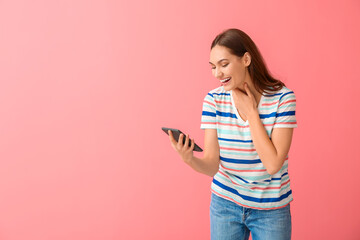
(247, 59)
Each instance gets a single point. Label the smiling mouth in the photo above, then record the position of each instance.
(225, 80)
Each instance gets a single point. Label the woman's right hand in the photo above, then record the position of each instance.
(184, 150)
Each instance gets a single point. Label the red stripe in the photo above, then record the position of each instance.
(226, 124)
(269, 104)
(210, 103)
(235, 125)
(223, 102)
(287, 102)
(285, 123)
(239, 149)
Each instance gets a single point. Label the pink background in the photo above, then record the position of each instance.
(87, 85)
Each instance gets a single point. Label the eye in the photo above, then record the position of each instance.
(222, 66)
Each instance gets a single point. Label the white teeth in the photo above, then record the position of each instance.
(224, 80)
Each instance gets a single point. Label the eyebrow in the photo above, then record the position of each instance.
(220, 60)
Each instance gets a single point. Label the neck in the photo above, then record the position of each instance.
(256, 94)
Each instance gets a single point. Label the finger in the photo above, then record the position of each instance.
(241, 94)
(187, 142)
(179, 143)
(173, 141)
(247, 90)
(171, 137)
(192, 144)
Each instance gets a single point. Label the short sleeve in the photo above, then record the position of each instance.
(208, 116)
(285, 115)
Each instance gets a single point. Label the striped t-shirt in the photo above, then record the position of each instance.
(242, 178)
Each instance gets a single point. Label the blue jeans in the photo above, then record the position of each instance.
(230, 221)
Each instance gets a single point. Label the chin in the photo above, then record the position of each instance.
(228, 88)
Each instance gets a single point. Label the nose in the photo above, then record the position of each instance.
(218, 73)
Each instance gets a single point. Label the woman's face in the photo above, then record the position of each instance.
(225, 65)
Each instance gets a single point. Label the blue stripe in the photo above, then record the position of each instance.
(244, 161)
(253, 199)
(262, 116)
(260, 179)
(276, 178)
(206, 113)
(232, 115)
(273, 114)
(267, 180)
(285, 95)
(289, 113)
(241, 179)
(226, 114)
(226, 94)
(210, 95)
(273, 95)
(272, 180)
(234, 140)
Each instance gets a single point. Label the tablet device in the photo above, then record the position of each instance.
(176, 133)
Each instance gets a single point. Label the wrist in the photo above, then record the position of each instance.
(188, 160)
(254, 113)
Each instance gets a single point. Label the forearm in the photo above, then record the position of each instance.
(204, 166)
(263, 145)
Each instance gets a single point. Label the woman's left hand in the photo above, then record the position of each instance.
(244, 103)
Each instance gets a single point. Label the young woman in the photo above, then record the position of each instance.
(248, 124)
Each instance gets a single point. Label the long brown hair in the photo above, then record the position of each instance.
(238, 44)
